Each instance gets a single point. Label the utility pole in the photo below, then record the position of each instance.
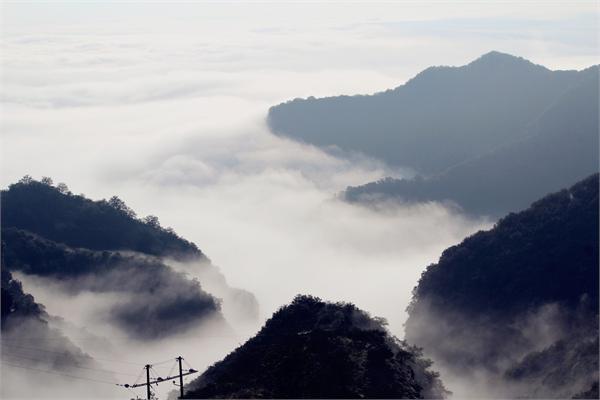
(148, 379)
(159, 379)
(180, 377)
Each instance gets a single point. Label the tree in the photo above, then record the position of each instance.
(118, 204)
(63, 188)
(26, 180)
(152, 220)
(46, 180)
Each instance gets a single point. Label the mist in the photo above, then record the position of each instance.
(274, 227)
(118, 357)
(169, 114)
(476, 359)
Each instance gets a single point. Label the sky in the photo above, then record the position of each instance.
(164, 105)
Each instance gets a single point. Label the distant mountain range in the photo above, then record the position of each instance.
(101, 246)
(314, 349)
(519, 302)
(491, 136)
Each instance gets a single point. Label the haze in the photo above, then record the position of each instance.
(164, 106)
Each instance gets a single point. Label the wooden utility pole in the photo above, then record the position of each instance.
(158, 380)
(148, 379)
(180, 377)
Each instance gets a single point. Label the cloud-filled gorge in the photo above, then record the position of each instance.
(170, 116)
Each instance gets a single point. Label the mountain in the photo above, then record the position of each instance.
(562, 148)
(38, 359)
(58, 215)
(518, 303)
(314, 349)
(440, 118)
(25, 325)
(155, 301)
(82, 245)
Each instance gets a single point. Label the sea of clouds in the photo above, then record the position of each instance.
(165, 107)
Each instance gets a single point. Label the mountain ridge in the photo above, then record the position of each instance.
(561, 147)
(314, 349)
(57, 214)
(103, 247)
(440, 117)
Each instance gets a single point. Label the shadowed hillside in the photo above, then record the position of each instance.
(57, 214)
(81, 245)
(562, 149)
(441, 117)
(519, 302)
(313, 349)
(155, 300)
(25, 326)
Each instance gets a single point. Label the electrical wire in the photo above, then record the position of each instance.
(139, 376)
(65, 352)
(35, 349)
(58, 373)
(4, 354)
(187, 363)
(172, 368)
(161, 362)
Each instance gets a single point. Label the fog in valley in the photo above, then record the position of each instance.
(165, 108)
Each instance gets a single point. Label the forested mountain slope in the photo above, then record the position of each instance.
(57, 214)
(25, 328)
(314, 349)
(102, 247)
(562, 149)
(441, 117)
(520, 301)
(155, 301)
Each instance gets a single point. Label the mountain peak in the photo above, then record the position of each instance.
(498, 59)
(499, 54)
(316, 349)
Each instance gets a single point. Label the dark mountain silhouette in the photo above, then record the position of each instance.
(101, 246)
(15, 303)
(155, 300)
(562, 149)
(24, 326)
(314, 349)
(519, 301)
(441, 117)
(76, 221)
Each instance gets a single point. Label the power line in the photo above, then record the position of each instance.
(121, 337)
(139, 376)
(4, 354)
(148, 369)
(162, 362)
(66, 352)
(36, 349)
(172, 368)
(59, 373)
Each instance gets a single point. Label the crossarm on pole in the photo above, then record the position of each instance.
(160, 380)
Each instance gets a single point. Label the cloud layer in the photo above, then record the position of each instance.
(165, 107)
